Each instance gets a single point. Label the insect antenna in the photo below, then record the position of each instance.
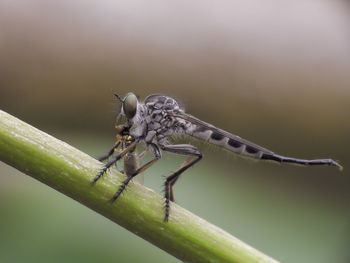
(118, 97)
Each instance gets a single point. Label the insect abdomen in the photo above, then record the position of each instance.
(233, 143)
(207, 132)
(131, 163)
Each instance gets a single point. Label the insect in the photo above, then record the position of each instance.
(157, 118)
(131, 159)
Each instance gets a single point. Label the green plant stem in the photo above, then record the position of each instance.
(139, 210)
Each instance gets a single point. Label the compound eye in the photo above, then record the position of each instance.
(130, 105)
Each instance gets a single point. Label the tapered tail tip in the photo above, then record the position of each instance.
(334, 163)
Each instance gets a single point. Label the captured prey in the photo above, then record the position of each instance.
(132, 159)
(153, 121)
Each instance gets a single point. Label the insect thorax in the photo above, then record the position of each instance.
(156, 119)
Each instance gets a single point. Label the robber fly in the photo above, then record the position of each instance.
(158, 117)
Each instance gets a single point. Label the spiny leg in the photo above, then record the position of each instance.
(113, 161)
(110, 152)
(128, 179)
(172, 182)
(154, 148)
(184, 149)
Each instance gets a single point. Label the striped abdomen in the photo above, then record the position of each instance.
(236, 144)
(231, 142)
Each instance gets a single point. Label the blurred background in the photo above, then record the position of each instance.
(273, 72)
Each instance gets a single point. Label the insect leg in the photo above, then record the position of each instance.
(141, 155)
(157, 155)
(113, 161)
(172, 182)
(111, 151)
(184, 149)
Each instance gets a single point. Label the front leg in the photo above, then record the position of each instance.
(113, 161)
(110, 152)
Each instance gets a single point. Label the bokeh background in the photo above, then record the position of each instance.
(274, 72)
